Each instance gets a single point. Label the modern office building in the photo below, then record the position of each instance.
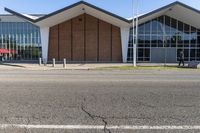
(19, 39)
(85, 33)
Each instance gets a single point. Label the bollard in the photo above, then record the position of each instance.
(40, 61)
(64, 63)
(54, 62)
(45, 62)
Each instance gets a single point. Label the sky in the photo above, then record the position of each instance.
(122, 8)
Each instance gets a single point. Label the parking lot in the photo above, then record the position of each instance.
(99, 101)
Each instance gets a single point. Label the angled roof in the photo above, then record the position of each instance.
(177, 10)
(19, 15)
(37, 20)
(34, 15)
(167, 7)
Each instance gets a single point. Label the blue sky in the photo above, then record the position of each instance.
(119, 7)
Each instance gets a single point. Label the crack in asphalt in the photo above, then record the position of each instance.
(146, 104)
(173, 118)
(103, 119)
(184, 106)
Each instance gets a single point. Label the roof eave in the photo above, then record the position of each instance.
(64, 9)
(165, 7)
(87, 4)
(20, 15)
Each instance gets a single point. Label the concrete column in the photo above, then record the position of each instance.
(124, 41)
(44, 31)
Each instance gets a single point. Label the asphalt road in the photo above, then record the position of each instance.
(61, 97)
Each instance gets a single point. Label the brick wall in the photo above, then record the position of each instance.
(53, 43)
(116, 44)
(91, 38)
(78, 38)
(105, 43)
(65, 40)
(85, 38)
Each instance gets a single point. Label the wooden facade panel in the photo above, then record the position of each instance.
(116, 45)
(104, 41)
(85, 38)
(53, 43)
(65, 41)
(91, 38)
(78, 38)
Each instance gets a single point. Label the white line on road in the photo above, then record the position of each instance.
(90, 127)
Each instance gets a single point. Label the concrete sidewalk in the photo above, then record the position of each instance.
(89, 66)
(78, 66)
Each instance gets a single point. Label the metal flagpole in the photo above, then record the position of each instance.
(135, 32)
(134, 64)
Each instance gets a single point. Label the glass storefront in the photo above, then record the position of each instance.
(19, 41)
(162, 32)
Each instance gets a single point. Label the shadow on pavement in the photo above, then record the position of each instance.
(12, 65)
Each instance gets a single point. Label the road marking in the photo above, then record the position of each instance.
(90, 127)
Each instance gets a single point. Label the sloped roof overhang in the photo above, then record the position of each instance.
(177, 10)
(72, 11)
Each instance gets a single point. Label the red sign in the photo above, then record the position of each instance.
(6, 51)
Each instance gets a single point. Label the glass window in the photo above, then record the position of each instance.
(154, 41)
(173, 27)
(148, 27)
(192, 54)
(167, 31)
(141, 29)
(14, 36)
(167, 25)
(173, 41)
(147, 53)
(167, 41)
(186, 39)
(180, 39)
(130, 54)
(193, 39)
(198, 41)
(198, 54)
(154, 27)
(160, 25)
(180, 27)
(130, 40)
(147, 40)
(186, 54)
(141, 45)
(160, 41)
(140, 53)
(193, 29)
(143, 54)
(141, 39)
(186, 28)
(198, 33)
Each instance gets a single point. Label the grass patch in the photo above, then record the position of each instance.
(146, 68)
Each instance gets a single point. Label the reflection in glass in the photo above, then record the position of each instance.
(165, 31)
(20, 41)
